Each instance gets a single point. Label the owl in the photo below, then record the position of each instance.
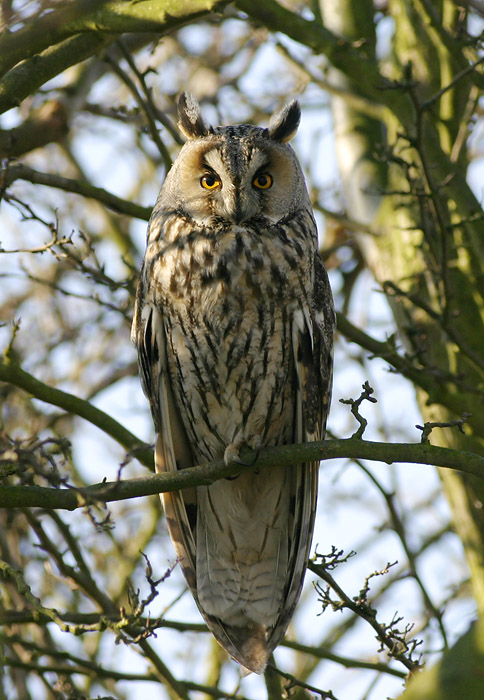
(234, 327)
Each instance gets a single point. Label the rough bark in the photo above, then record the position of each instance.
(415, 197)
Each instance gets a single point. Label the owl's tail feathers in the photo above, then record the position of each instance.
(255, 653)
(253, 650)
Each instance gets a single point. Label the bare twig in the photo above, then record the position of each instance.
(390, 637)
(427, 428)
(12, 373)
(144, 104)
(366, 395)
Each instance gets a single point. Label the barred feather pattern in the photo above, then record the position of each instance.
(234, 324)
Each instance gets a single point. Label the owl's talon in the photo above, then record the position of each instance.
(232, 453)
(235, 457)
(254, 458)
(253, 443)
(248, 462)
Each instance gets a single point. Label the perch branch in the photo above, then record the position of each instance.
(350, 448)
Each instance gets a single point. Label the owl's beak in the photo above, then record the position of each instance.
(237, 208)
(236, 204)
(238, 215)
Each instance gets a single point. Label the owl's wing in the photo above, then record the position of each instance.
(172, 449)
(312, 346)
(316, 397)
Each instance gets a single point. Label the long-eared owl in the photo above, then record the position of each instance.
(234, 327)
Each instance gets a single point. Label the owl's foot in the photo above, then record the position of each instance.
(232, 451)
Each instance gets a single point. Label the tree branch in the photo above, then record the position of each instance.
(388, 635)
(350, 59)
(46, 125)
(82, 622)
(13, 374)
(111, 16)
(437, 385)
(45, 47)
(345, 661)
(28, 76)
(205, 474)
(85, 189)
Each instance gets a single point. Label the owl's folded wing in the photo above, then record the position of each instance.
(312, 348)
(172, 450)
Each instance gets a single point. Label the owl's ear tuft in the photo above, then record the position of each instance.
(284, 123)
(190, 120)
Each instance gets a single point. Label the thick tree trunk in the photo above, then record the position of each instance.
(429, 251)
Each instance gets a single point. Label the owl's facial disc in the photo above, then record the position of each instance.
(234, 175)
(236, 182)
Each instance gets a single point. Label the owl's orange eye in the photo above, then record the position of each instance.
(262, 181)
(210, 182)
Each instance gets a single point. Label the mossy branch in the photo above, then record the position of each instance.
(108, 16)
(47, 46)
(348, 58)
(205, 474)
(352, 59)
(26, 77)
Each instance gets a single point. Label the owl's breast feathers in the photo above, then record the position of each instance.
(258, 256)
(234, 331)
(228, 297)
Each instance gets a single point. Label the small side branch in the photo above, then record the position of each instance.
(396, 641)
(366, 395)
(427, 428)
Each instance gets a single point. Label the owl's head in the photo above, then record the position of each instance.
(235, 173)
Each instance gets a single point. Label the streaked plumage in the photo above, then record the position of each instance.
(234, 325)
